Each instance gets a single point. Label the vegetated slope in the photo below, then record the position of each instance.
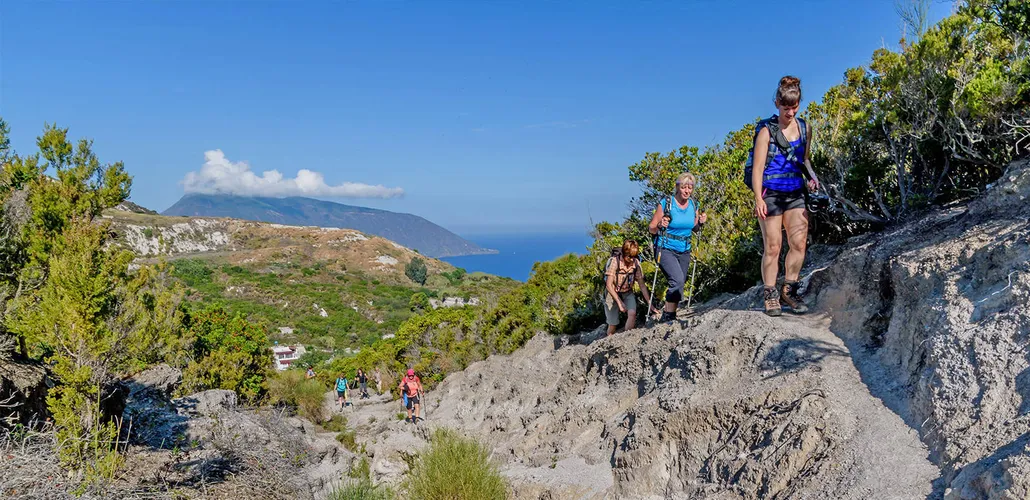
(334, 288)
(907, 380)
(409, 230)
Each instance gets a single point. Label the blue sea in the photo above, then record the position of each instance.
(519, 251)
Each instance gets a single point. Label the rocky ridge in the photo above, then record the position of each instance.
(242, 242)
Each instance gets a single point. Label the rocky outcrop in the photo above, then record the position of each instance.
(939, 308)
(23, 391)
(201, 441)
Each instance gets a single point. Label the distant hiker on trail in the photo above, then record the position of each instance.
(379, 381)
(363, 381)
(341, 390)
(673, 228)
(621, 271)
(411, 386)
(781, 163)
(310, 373)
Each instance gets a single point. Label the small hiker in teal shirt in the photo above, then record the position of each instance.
(341, 390)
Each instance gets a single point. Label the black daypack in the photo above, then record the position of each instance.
(777, 143)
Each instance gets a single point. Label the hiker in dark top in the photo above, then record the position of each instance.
(673, 228)
(363, 381)
(621, 271)
(781, 162)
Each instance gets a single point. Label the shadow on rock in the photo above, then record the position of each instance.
(794, 355)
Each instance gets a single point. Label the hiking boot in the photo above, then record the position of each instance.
(772, 301)
(789, 295)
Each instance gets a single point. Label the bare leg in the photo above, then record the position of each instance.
(611, 329)
(796, 222)
(631, 320)
(773, 240)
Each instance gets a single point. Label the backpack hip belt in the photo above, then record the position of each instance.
(676, 237)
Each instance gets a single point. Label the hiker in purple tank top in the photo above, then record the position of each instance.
(779, 186)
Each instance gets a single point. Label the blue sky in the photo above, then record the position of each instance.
(490, 116)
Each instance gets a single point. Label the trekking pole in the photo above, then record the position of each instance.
(657, 268)
(425, 404)
(693, 273)
(693, 263)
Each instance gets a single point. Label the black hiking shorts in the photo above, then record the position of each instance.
(412, 401)
(778, 202)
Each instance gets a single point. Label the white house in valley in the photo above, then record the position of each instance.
(285, 355)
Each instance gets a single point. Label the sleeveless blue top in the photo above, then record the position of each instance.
(780, 165)
(682, 226)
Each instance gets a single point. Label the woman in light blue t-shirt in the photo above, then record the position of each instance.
(679, 222)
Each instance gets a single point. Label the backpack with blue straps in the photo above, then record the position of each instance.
(777, 143)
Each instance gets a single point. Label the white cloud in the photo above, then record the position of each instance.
(219, 175)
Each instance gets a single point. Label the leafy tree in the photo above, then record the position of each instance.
(312, 357)
(69, 297)
(228, 353)
(933, 122)
(416, 270)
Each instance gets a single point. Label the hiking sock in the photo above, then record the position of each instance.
(771, 300)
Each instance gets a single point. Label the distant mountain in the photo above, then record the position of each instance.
(409, 230)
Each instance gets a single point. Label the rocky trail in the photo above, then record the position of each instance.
(781, 413)
(910, 378)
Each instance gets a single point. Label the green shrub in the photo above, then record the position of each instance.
(419, 302)
(416, 270)
(362, 489)
(454, 277)
(228, 353)
(360, 471)
(192, 271)
(306, 396)
(456, 467)
(347, 439)
(336, 424)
